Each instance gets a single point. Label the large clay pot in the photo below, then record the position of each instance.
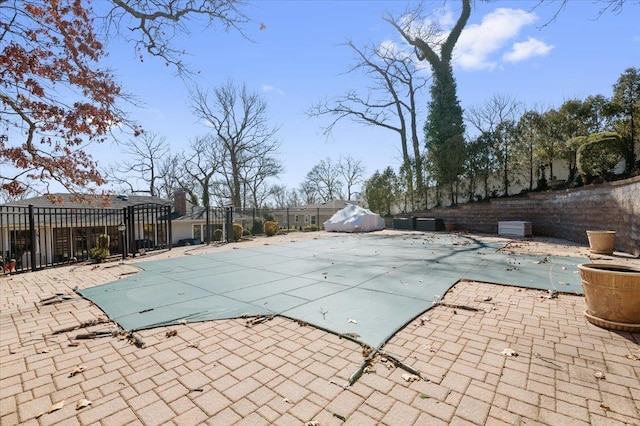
(612, 293)
(601, 242)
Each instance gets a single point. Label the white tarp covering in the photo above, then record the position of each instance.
(353, 218)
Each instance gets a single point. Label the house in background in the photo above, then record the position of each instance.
(46, 231)
(311, 215)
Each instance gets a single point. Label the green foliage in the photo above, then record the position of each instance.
(444, 129)
(246, 232)
(310, 228)
(103, 241)
(381, 191)
(268, 217)
(217, 235)
(598, 156)
(99, 254)
(101, 251)
(270, 228)
(237, 232)
(258, 227)
(626, 103)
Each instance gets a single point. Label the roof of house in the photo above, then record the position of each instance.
(64, 200)
(333, 204)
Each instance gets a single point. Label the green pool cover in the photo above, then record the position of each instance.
(368, 284)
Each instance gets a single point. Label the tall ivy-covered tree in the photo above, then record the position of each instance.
(444, 129)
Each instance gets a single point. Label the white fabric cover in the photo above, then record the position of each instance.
(353, 218)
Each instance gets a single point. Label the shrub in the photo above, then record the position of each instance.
(258, 227)
(217, 235)
(310, 228)
(598, 155)
(237, 232)
(270, 228)
(246, 233)
(99, 254)
(103, 241)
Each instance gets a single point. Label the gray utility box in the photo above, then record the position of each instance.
(404, 223)
(515, 228)
(429, 224)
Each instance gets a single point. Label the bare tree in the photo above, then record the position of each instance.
(200, 167)
(152, 24)
(142, 160)
(324, 177)
(257, 170)
(390, 103)
(240, 123)
(497, 109)
(308, 193)
(352, 171)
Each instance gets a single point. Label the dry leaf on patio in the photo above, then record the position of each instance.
(600, 375)
(287, 400)
(82, 403)
(171, 333)
(193, 345)
(605, 407)
(410, 377)
(633, 357)
(509, 352)
(312, 423)
(183, 321)
(79, 369)
(56, 407)
(366, 351)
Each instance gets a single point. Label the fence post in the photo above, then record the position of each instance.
(170, 227)
(229, 223)
(288, 224)
(318, 220)
(32, 235)
(207, 229)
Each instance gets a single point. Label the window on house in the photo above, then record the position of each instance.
(313, 220)
(296, 219)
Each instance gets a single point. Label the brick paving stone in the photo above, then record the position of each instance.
(473, 410)
(226, 417)
(400, 414)
(192, 417)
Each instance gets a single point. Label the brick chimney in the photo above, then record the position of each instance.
(180, 202)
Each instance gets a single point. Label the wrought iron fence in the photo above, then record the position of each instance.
(37, 237)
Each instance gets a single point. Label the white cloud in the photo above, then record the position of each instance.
(269, 88)
(527, 49)
(478, 42)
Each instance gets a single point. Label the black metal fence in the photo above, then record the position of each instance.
(292, 219)
(37, 237)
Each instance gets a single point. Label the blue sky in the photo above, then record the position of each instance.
(297, 60)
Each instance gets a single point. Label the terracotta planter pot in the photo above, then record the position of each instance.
(450, 226)
(612, 293)
(601, 242)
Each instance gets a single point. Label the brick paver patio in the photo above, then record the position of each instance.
(280, 372)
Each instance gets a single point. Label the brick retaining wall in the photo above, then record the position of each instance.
(564, 214)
